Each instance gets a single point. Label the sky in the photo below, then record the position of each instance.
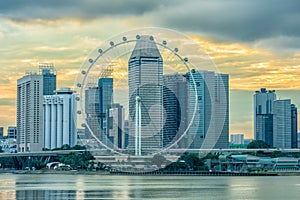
(256, 42)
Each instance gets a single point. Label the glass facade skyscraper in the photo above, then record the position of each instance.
(208, 109)
(105, 87)
(145, 79)
(92, 111)
(263, 115)
(175, 103)
(49, 78)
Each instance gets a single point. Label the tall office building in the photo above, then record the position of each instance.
(282, 121)
(105, 87)
(92, 110)
(294, 126)
(116, 126)
(59, 119)
(208, 109)
(30, 112)
(263, 115)
(145, 79)
(12, 132)
(175, 103)
(48, 72)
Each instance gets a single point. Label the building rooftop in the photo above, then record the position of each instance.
(145, 47)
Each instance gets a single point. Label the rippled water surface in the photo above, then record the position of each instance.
(147, 187)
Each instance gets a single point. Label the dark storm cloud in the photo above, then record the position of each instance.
(243, 20)
(86, 9)
(235, 19)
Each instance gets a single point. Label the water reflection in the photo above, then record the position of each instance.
(146, 187)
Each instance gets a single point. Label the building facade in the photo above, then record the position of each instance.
(116, 126)
(175, 104)
(92, 110)
(208, 109)
(237, 139)
(294, 126)
(12, 132)
(48, 72)
(263, 115)
(105, 87)
(145, 79)
(282, 122)
(59, 119)
(30, 112)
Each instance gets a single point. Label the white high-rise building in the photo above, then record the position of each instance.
(282, 124)
(59, 119)
(30, 112)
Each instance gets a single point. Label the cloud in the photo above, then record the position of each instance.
(234, 19)
(85, 9)
(280, 44)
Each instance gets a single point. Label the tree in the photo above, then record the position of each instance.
(158, 160)
(192, 161)
(76, 160)
(258, 144)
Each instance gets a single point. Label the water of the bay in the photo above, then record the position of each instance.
(61, 186)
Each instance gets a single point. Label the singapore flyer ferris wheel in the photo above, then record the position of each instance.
(139, 92)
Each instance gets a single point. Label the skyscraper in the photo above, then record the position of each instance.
(116, 126)
(92, 110)
(175, 103)
(294, 125)
(208, 109)
(282, 121)
(59, 119)
(263, 115)
(105, 87)
(30, 112)
(145, 79)
(47, 70)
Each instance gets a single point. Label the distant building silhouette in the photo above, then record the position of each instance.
(275, 121)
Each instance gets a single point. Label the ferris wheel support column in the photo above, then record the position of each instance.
(140, 128)
(138, 149)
